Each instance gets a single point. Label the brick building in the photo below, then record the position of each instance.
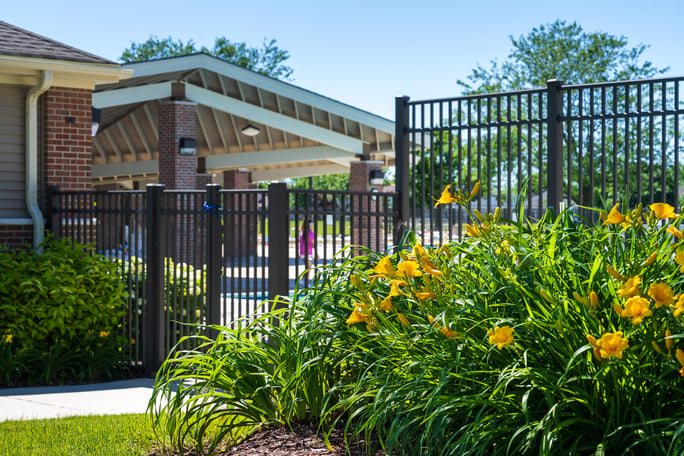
(46, 125)
(183, 122)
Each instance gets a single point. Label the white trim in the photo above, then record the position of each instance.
(16, 221)
(274, 119)
(281, 88)
(31, 157)
(268, 157)
(65, 73)
(129, 95)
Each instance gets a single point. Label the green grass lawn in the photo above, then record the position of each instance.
(115, 435)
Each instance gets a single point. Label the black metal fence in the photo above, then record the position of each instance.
(585, 145)
(212, 256)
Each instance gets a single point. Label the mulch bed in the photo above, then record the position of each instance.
(300, 441)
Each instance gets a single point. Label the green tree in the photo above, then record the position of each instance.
(562, 51)
(268, 59)
(323, 182)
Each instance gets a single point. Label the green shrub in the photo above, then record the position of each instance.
(62, 313)
(184, 288)
(558, 336)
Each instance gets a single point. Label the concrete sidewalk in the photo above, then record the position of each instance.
(126, 396)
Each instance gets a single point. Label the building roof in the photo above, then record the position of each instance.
(15, 41)
(299, 132)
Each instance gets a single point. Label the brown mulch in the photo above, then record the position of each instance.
(300, 441)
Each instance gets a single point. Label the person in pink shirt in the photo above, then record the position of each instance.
(307, 245)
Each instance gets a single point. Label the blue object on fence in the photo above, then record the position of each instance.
(213, 209)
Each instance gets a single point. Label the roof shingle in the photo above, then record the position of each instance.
(18, 42)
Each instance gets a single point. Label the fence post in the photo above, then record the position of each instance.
(401, 146)
(213, 256)
(54, 212)
(554, 163)
(278, 243)
(153, 312)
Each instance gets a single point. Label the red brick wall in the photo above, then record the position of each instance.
(365, 230)
(67, 140)
(16, 236)
(177, 119)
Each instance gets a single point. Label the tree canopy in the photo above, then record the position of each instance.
(563, 51)
(268, 59)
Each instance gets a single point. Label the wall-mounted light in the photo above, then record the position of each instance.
(97, 114)
(187, 146)
(376, 177)
(250, 130)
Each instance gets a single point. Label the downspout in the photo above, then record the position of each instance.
(31, 142)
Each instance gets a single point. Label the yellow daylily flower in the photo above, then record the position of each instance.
(446, 197)
(609, 345)
(615, 217)
(473, 230)
(679, 306)
(104, 334)
(474, 191)
(680, 357)
(663, 211)
(669, 343)
(442, 329)
(650, 260)
(579, 298)
(616, 275)
(356, 317)
(631, 288)
(661, 293)
(404, 321)
(679, 259)
(429, 267)
(419, 250)
(386, 304)
(8, 338)
(423, 295)
(675, 232)
(656, 347)
(501, 336)
(384, 267)
(636, 308)
(593, 299)
(408, 269)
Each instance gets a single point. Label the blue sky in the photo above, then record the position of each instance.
(363, 53)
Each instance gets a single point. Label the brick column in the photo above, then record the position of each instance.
(240, 228)
(67, 159)
(364, 229)
(177, 119)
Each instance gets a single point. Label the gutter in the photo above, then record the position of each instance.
(31, 143)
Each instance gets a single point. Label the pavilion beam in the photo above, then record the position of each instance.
(264, 116)
(246, 159)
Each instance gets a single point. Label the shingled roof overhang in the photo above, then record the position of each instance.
(301, 133)
(25, 55)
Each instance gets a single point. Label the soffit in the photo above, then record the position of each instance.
(292, 120)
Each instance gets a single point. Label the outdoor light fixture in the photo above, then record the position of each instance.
(376, 177)
(97, 113)
(250, 130)
(187, 146)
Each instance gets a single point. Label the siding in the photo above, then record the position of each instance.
(12, 187)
